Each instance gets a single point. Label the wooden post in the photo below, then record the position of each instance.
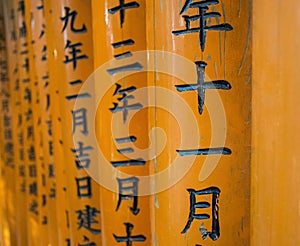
(8, 169)
(69, 35)
(54, 203)
(12, 34)
(275, 134)
(209, 202)
(122, 135)
(26, 73)
(54, 132)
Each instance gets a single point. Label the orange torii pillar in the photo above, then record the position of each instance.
(8, 168)
(276, 130)
(202, 75)
(12, 34)
(70, 54)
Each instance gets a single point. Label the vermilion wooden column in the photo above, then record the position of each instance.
(70, 51)
(275, 132)
(51, 185)
(41, 169)
(54, 129)
(12, 34)
(186, 211)
(27, 153)
(117, 34)
(29, 122)
(8, 170)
